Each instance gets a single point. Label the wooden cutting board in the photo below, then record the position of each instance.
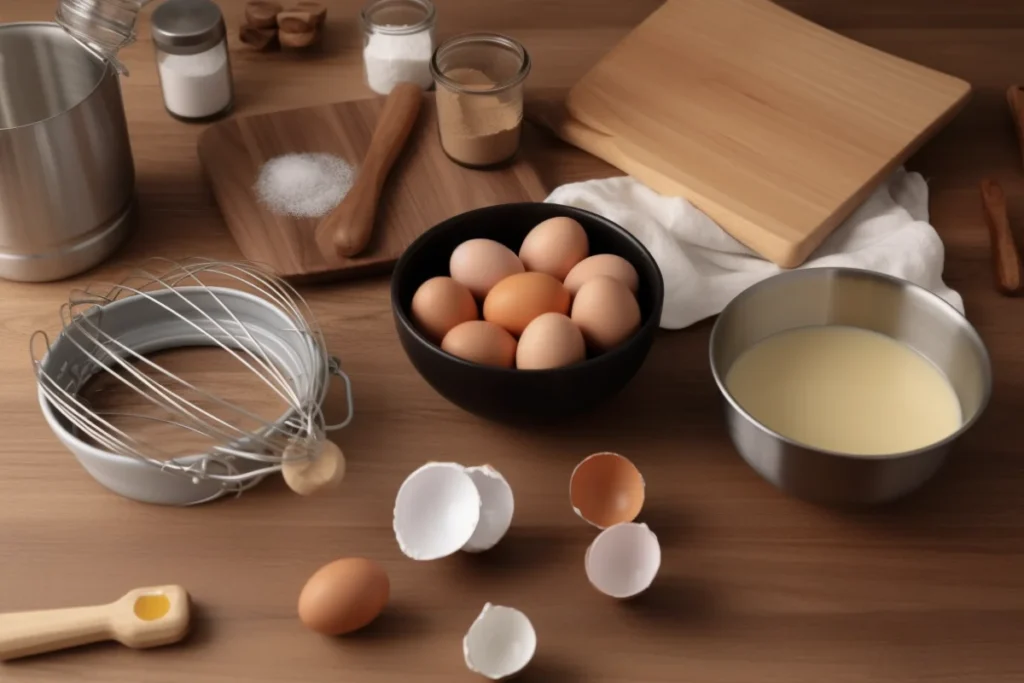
(774, 126)
(424, 188)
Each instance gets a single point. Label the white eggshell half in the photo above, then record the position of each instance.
(500, 643)
(497, 506)
(623, 560)
(436, 511)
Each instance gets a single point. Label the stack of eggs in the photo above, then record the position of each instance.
(541, 309)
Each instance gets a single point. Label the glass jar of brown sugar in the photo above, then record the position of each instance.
(479, 79)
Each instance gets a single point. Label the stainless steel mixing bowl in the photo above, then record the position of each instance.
(67, 180)
(844, 296)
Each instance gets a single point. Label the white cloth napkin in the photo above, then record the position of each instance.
(704, 268)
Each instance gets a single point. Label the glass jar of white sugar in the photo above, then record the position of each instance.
(398, 42)
(192, 59)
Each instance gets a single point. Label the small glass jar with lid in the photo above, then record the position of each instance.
(398, 42)
(192, 59)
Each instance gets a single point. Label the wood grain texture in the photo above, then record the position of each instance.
(774, 126)
(754, 586)
(423, 188)
(1015, 101)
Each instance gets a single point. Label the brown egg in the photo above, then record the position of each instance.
(606, 312)
(606, 489)
(551, 340)
(480, 264)
(479, 341)
(518, 299)
(440, 304)
(344, 596)
(554, 247)
(611, 265)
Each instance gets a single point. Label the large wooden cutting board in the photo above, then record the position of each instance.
(425, 187)
(774, 126)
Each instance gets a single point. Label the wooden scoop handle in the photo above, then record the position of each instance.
(31, 633)
(1005, 258)
(346, 230)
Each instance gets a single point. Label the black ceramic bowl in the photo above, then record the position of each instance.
(523, 396)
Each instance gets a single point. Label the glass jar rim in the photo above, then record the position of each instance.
(394, 30)
(492, 38)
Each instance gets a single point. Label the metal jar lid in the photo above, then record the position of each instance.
(187, 27)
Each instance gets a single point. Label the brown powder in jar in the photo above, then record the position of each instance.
(478, 129)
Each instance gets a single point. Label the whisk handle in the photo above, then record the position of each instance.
(31, 633)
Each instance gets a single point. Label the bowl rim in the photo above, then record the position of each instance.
(657, 289)
(917, 290)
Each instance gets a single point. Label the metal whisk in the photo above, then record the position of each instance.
(241, 308)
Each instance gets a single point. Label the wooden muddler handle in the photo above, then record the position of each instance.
(1005, 259)
(347, 229)
(31, 633)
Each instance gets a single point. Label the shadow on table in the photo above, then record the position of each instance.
(672, 602)
(545, 669)
(518, 552)
(395, 622)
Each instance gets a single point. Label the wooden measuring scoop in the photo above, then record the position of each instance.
(144, 618)
(347, 229)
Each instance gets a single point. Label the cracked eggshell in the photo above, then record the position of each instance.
(436, 512)
(623, 560)
(606, 489)
(500, 643)
(497, 506)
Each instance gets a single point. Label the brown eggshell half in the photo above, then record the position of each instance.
(606, 489)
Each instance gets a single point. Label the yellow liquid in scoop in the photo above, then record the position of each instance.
(845, 389)
(152, 607)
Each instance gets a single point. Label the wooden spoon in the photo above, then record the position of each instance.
(144, 618)
(347, 229)
(1005, 258)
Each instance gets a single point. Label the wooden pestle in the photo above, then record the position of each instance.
(347, 229)
(144, 618)
(1005, 258)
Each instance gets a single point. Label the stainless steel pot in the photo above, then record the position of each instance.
(67, 180)
(843, 296)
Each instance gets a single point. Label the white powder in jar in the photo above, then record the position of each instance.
(393, 58)
(304, 185)
(196, 86)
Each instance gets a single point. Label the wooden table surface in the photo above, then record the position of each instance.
(754, 586)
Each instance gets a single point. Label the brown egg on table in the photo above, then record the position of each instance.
(440, 304)
(479, 264)
(479, 341)
(551, 340)
(606, 312)
(611, 265)
(554, 247)
(606, 489)
(344, 596)
(515, 301)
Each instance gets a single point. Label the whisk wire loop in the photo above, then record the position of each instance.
(241, 308)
